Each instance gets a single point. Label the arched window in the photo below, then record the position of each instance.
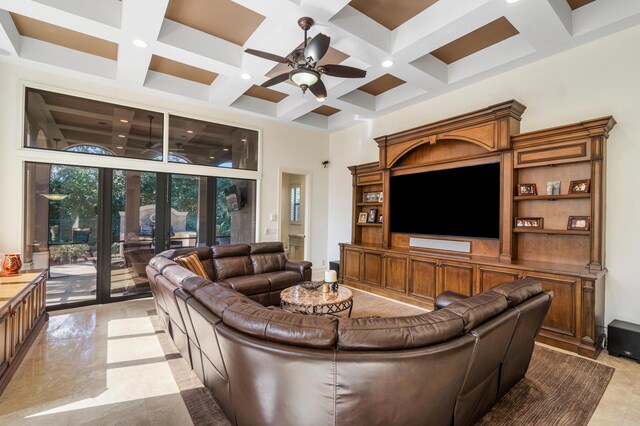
(173, 158)
(89, 149)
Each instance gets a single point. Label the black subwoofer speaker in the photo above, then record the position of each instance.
(624, 339)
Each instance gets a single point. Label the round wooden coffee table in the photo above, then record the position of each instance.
(315, 302)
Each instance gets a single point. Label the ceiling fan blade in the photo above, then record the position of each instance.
(317, 47)
(318, 89)
(275, 80)
(343, 71)
(267, 55)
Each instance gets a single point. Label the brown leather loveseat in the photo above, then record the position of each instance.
(267, 366)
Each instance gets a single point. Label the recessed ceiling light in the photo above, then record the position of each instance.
(387, 63)
(119, 147)
(213, 158)
(189, 131)
(225, 149)
(512, 1)
(124, 121)
(320, 99)
(244, 139)
(246, 76)
(139, 43)
(121, 136)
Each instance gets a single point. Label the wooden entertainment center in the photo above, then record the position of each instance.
(569, 262)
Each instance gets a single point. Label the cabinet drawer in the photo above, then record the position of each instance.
(372, 178)
(567, 152)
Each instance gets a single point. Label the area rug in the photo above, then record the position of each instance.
(559, 389)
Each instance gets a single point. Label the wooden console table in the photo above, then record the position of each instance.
(22, 315)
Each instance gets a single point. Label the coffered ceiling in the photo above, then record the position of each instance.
(195, 48)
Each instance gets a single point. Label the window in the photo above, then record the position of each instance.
(58, 122)
(295, 204)
(212, 144)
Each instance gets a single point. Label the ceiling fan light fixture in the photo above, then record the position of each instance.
(321, 99)
(140, 43)
(304, 77)
(388, 63)
(246, 76)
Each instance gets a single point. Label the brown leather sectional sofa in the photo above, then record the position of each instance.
(267, 366)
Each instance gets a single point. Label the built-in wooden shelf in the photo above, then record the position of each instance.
(551, 231)
(371, 203)
(551, 197)
(368, 224)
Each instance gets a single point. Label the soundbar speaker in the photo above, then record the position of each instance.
(624, 339)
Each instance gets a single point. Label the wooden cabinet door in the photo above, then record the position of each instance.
(565, 306)
(455, 276)
(423, 274)
(395, 273)
(352, 269)
(5, 340)
(489, 276)
(372, 268)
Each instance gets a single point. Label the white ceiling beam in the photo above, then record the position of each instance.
(9, 36)
(106, 12)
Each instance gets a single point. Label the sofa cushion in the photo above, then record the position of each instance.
(192, 262)
(280, 280)
(248, 284)
(518, 291)
(235, 266)
(398, 333)
(215, 297)
(177, 274)
(268, 247)
(159, 262)
(477, 309)
(268, 262)
(230, 250)
(282, 327)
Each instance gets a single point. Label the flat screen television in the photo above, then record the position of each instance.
(461, 202)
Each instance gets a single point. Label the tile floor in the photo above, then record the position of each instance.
(104, 365)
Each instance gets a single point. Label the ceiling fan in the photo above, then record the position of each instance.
(306, 72)
(150, 146)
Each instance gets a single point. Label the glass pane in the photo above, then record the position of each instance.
(61, 223)
(68, 123)
(133, 225)
(211, 144)
(235, 211)
(188, 211)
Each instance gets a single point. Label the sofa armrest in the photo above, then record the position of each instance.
(446, 298)
(303, 267)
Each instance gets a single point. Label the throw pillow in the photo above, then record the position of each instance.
(192, 262)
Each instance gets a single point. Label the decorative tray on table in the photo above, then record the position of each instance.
(311, 285)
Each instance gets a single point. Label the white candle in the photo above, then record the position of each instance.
(330, 276)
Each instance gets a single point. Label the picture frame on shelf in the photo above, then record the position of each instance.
(553, 187)
(529, 222)
(380, 219)
(579, 223)
(362, 217)
(527, 189)
(582, 186)
(373, 214)
(372, 197)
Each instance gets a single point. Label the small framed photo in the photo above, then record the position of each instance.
(553, 187)
(373, 215)
(529, 222)
(579, 223)
(527, 189)
(579, 186)
(362, 217)
(380, 219)
(372, 197)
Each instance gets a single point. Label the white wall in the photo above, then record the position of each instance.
(282, 146)
(590, 81)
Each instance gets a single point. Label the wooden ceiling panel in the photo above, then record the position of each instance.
(391, 14)
(481, 38)
(224, 19)
(382, 84)
(265, 94)
(575, 4)
(180, 70)
(326, 110)
(29, 27)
